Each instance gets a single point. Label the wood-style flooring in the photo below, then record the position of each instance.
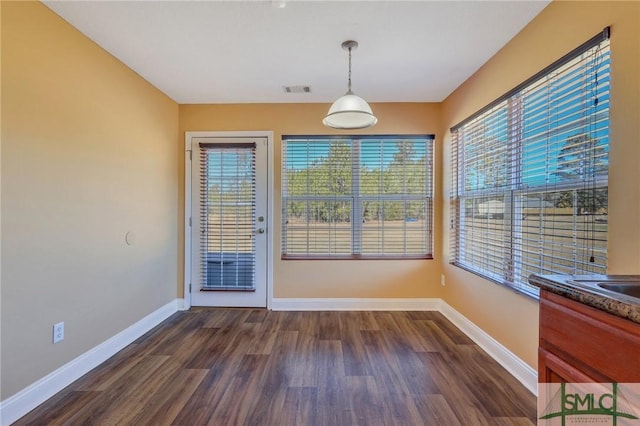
(257, 367)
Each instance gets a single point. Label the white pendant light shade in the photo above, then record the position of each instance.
(350, 111)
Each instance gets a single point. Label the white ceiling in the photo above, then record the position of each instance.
(245, 51)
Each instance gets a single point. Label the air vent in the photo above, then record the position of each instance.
(297, 89)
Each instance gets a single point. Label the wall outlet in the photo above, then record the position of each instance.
(442, 280)
(58, 332)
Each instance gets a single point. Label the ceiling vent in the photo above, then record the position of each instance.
(297, 89)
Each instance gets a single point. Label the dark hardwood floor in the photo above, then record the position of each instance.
(256, 367)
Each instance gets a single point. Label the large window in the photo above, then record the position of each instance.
(529, 184)
(357, 197)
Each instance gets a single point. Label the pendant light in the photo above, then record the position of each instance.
(350, 111)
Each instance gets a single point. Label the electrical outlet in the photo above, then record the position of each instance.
(58, 332)
(442, 280)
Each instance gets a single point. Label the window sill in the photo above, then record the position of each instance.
(357, 257)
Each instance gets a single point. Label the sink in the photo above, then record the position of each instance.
(605, 279)
(628, 288)
(623, 286)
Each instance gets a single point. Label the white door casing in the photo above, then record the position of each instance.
(197, 291)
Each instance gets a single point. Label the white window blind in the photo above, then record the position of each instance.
(227, 212)
(530, 173)
(357, 197)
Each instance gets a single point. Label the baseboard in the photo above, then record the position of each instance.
(29, 398)
(347, 304)
(512, 363)
(182, 305)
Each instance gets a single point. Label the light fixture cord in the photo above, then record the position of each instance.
(349, 86)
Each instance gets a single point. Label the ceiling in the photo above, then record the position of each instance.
(246, 51)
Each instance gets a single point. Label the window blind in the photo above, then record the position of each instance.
(357, 197)
(530, 175)
(227, 216)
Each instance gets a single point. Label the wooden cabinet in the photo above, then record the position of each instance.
(580, 344)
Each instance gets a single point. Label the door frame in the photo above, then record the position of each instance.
(189, 136)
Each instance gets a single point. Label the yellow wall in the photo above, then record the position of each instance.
(89, 153)
(358, 279)
(510, 318)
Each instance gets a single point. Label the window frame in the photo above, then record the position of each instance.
(356, 198)
(516, 190)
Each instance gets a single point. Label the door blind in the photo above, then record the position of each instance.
(530, 175)
(227, 216)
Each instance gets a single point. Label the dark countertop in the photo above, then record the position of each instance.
(583, 289)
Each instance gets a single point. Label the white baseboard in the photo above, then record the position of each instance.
(182, 305)
(35, 394)
(346, 304)
(513, 364)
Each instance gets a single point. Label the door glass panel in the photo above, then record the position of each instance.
(227, 217)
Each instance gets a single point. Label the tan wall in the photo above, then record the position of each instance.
(510, 318)
(317, 279)
(89, 153)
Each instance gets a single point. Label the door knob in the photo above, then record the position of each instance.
(260, 230)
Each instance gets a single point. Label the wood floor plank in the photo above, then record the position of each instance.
(175, 338)
(257, 367)
(390, 377)
(329, 326)
(59, 409)
(299, 408)
(204, 400)
(241, 394)
(449, 378)
(212, 345)
(366, 320)
(166, 404)
(202, 405)
(257, 315)
(512, 421)
(116, 400)
(438, 339)
(156, 386)
(353, 351)
(113, 369)
(366, 404)
(156, 334)
(453, 332)
(303, 373)
(502, 396)
(333, 402)
(227, 318)
(435, 410)
(400, 328)
(276, 379)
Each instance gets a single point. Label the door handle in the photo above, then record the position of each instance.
(260, 230)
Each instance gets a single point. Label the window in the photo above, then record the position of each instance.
(529, 184)
(357, 197)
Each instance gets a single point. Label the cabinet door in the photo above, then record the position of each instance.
(553, 369)
(598, 344)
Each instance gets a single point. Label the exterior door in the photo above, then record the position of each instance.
(229, 223)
